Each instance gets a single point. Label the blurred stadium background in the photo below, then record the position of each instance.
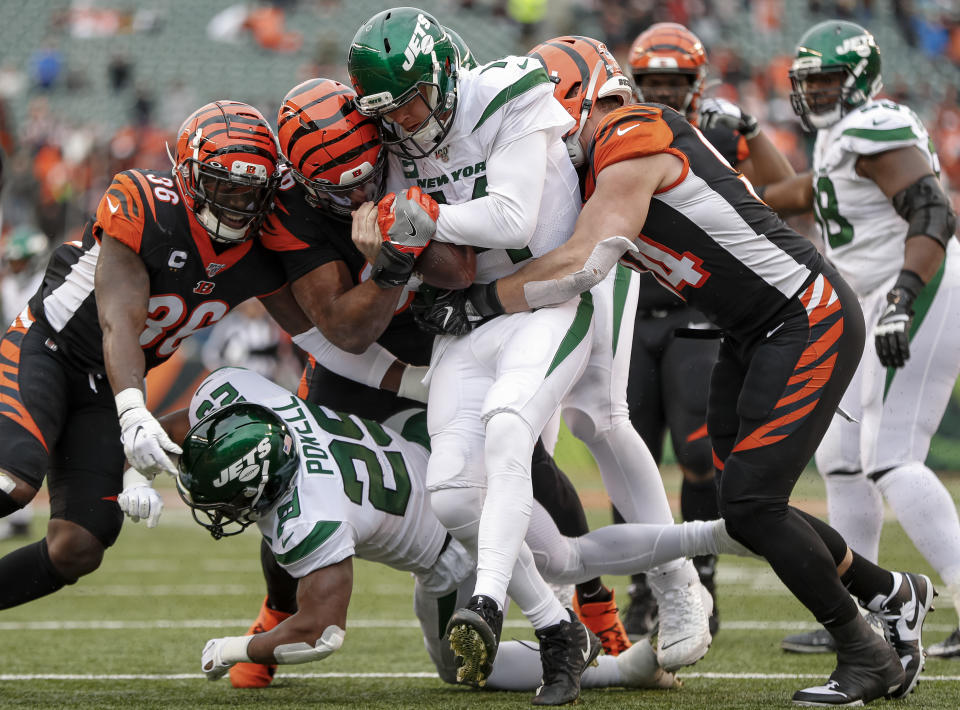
(92, 87)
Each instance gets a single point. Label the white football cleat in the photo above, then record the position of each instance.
(639, 668)
(685, 606)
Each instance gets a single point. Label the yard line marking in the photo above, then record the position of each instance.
(120, 625)
(200, 676)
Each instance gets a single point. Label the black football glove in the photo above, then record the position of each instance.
(892, 334)
(720, 112)
(442, 311)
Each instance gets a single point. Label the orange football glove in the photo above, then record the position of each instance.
(408, 222)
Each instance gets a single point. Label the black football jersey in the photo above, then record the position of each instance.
(707, 237)
(192, 283)
(305, 238)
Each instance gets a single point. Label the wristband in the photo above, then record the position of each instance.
(910, 284)
(485, 299)
(392, 267)
(749, 126)
(129, 399)
(234, 649)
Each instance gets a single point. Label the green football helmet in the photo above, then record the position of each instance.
(836, 69)
(236, 464)
(396, 56)
(467, 60)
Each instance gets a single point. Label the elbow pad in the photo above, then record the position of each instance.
(926, 209)
(302, 652)
(604, 257)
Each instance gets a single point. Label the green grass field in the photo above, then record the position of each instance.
(130, 635)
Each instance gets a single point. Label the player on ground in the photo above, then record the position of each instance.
(485, 143)
(670, 375)
(165, 257)
(887, 226)
(323, 486)
(793, 338)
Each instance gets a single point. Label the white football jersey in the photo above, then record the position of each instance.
(359, 489)
(863, 234)
(497, 104)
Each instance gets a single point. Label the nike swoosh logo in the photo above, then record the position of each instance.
(113, 207)
(669, 645)
(449, 310)
(912, 623)
(771, 332)
(413, 230)
(284, 543)
(621, 131)
(585, 652)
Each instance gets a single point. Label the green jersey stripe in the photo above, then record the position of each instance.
(621, 286)
(920, 308)
(576, 332)
(415, 430)
(321, 531)
(904, 133)
(524, 83)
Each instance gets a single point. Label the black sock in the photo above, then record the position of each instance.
(865, 580)
(28, 574)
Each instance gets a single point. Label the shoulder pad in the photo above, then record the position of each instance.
(495, 84)
(878, 127)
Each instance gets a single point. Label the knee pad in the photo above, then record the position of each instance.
(508, 448)
(458, 510)
(103, 523)
(581, 424)
(744, 518)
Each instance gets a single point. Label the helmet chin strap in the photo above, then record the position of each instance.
(574, 149)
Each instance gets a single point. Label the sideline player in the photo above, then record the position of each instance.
(323, 486)
(793, 337)
(164, 257)
(670, 375)
(888, 228)
(486, 143)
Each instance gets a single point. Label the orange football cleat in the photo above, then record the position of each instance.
(257, 675)
(603, 619)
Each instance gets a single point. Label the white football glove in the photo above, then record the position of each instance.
(145, 443)
(219, 655)
(138, 499)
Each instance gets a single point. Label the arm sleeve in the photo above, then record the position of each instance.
(367, 368)
(506, 217)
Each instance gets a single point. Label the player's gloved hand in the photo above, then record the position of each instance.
(892, 334)
(720, 112)
(411, 383)
(145, 442)
(138, 499)
(407, 223)
(443, 312)
(220, 654)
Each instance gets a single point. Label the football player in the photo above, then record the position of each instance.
(324, 486)
(793, 335)
(486, 145)
(164, 257)
(888, 227)
(670, 375)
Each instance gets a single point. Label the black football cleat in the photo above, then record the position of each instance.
(903, 613)
(640, 616)
(948, 648)
(474, 634)
(566, 649)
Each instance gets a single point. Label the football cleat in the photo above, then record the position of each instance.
(474, 634)
(820, 640)
(866, 670)
(948, 648)
(903, 613)
(640, 616)
(603, 619)
(639, 669)
(257, 675)
(683, 637)
(566, 649)
(706, 566)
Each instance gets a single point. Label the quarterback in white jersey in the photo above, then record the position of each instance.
(888, 228)
(324, 487)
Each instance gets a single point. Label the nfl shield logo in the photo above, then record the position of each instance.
(442, 154)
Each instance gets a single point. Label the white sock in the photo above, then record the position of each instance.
(517, 667)
(534, 596)
(927, 514)
(855, 510)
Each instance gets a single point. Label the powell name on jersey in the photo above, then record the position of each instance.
(192, 284)
(496, 104)
(707, 237)
(359, 489)
(862, 231)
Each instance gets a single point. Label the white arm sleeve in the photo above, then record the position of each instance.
(507, 216)
(367, 368)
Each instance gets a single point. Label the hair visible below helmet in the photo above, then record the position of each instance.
(334, 150)
(227, 169)
(582, 71)
(396, 56)
(237, 463)
(467, 60)
(842, 49)
(670, 48)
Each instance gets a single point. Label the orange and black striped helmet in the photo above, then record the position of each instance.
(334, 150)
(582, 70)
(668, 48)
(227, 168)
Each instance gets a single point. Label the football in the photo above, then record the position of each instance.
(446, 265)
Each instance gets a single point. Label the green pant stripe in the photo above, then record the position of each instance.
(621, 286)
(920, 308)
(577, 331)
